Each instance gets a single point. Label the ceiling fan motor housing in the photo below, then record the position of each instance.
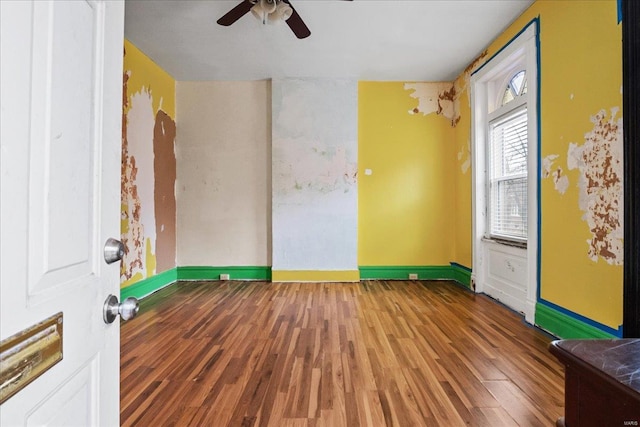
(268, 10)
(271, 11)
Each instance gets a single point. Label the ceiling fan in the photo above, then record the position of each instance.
(268, 11)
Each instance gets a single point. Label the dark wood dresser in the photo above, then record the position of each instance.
(602, 382)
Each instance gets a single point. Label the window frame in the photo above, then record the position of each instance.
(525, 45)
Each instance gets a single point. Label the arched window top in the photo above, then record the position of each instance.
(517, 86)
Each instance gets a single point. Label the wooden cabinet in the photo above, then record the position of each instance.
(602, 382)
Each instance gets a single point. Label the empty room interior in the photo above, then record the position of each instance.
(385, 222)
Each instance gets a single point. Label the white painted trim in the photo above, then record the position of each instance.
(521, 49)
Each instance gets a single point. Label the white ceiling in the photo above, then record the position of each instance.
(390, 40)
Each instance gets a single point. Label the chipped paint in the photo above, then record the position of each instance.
(464, 156)
(330, 170)
(599, 161)
(138, 188)
(131, 227)
(443, 98)
(433, 98)
(462, 82)
(147, 170)
(560, 180)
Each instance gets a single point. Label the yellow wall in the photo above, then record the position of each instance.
(581, 74)
(462, 180)
(146, 75)
(148, 199)
(405, 207)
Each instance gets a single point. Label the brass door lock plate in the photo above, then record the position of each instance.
(28, 354)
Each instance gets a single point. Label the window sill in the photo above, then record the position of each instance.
(521, 245)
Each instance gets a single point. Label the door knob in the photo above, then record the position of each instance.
(127, 309)
(113, 250)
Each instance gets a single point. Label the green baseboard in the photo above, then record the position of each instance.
(461, 274)
(566, 327)
(402, 272)
(234, 272)
(148, 286)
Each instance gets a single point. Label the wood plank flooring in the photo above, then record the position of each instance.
(374, 353)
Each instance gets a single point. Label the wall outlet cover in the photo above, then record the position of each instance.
(413, 276)
(224, 277)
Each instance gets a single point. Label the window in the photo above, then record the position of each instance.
(504, 161)
(517, 86)
(507, 163)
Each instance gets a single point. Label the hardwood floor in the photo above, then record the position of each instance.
(374, 353)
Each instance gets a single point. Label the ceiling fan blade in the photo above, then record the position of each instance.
(236, 13)
(296, 23)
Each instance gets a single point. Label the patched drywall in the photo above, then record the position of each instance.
(599, 161)
(164, 170)
(314, 164)
(224, 173)
(148, 169)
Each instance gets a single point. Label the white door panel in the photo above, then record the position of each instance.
(61, 106)
(508, 267)
(505, 274)
(71, 405)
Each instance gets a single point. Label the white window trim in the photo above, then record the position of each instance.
(521, 50)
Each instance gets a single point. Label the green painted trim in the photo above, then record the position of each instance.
(148, 286)
(566, 327)
(234, 272)
(461, 274)
(402, 272)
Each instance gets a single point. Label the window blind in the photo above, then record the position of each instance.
(508, 176)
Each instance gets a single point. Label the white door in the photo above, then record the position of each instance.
(61, 109)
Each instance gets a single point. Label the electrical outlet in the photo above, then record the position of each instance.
(224, 277)
(413, 276)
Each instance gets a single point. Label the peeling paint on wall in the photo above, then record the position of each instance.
(461, 86)
(323, 171)
(462, 82)
(443, 98)
(560, 180)
(435, 98)
(464, 156)
(599, 161)
(132, 233)
(148, 169)
(140, 236)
